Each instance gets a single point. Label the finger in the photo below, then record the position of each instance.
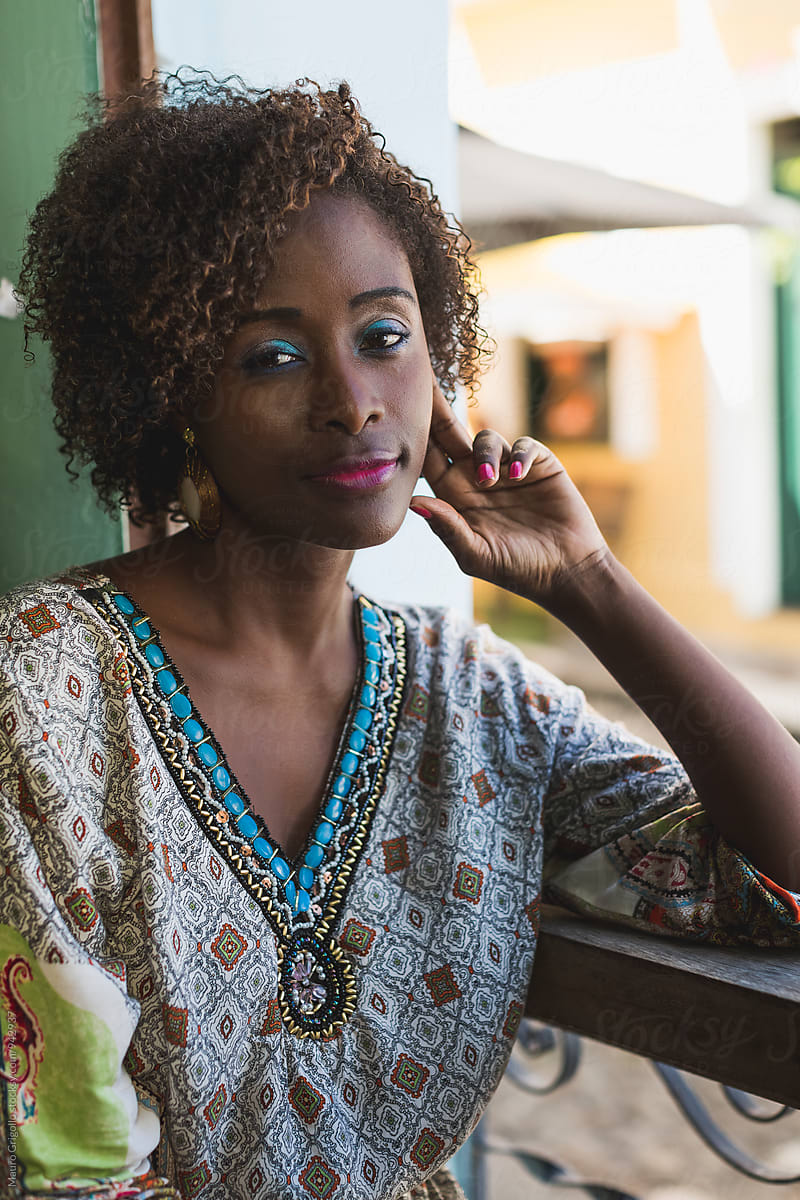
(525, 451)
(489, 450)
(446, 429)
(450, 527)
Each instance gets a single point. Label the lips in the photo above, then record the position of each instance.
(359, 472)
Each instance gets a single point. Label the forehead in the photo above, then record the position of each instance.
(341, 241)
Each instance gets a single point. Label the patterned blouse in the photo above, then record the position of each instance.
(188, 1013)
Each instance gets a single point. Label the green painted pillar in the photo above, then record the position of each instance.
(786, 179)
(48, 62)
(788, 298)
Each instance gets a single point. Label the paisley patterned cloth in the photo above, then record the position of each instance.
(156, 981)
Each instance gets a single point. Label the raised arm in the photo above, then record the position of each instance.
(511, 515)
(745, 767)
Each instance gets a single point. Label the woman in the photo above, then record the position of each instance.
(274, 853)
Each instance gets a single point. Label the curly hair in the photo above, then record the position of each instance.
(158, 232)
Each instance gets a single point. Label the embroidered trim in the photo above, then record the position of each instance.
(298, 933)
(339, 888)
(316, 987)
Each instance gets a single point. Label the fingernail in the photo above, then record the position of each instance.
(420, 511)
(515, 470)
(485, 472)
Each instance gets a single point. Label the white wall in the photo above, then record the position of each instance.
(395, 58)
(737, 327)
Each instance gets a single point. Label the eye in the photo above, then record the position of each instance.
(384, 336)
(272, 356)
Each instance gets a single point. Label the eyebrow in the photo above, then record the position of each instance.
(380, 294)
(294, 314)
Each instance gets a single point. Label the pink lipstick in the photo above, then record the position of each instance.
(366, 475)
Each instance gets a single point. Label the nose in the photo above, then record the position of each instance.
(344, 398)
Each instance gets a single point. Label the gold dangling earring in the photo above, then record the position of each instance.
(198, 493)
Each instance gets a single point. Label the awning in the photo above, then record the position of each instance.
(508, 197)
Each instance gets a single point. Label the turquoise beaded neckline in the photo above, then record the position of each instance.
(301, 898)
(296, 881)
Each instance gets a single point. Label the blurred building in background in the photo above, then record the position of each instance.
(632, 173)
(636, 189)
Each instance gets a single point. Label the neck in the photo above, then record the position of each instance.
(289, 599)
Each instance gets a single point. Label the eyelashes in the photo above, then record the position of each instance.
(272, 357)
(382, 330)
(379, 339)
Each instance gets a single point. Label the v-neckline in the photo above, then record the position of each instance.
(376, 682)
(316, 986)
(249, 811)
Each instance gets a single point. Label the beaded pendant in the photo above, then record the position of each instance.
(316, 989)
(301, 899)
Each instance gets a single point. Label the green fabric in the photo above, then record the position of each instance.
(80, 1124)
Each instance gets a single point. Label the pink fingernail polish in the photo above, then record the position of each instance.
(420, 511)
(515, 470)
(485, 472)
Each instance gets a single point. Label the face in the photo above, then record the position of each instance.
(319, 420)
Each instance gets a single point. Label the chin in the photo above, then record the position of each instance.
(365, 534)
(338, 529)
(362, 540)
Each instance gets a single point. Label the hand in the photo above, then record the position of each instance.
(530, 533)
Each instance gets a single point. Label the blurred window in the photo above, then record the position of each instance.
(786, 179)
(786, 157)
(568, 391)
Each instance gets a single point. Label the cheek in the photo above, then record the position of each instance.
(238, 423)
(421, 435)
(237, 398)
(419, 388)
